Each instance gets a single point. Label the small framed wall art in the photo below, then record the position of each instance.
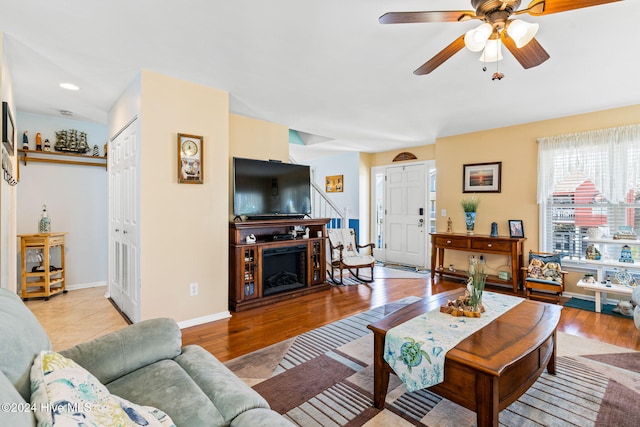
(334, 184)
(8, 129)
(190, 159)
(482, 177)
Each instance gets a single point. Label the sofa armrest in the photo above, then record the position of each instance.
(116, 354)
(227, 392)
(261, 417)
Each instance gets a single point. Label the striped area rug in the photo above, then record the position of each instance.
(325, 378)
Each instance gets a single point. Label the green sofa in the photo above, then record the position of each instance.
(144, 363)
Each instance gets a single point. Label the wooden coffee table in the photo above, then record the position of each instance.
(491, 368)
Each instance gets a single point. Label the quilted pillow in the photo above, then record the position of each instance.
(66, 394)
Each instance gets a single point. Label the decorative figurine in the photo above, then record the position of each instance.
(592, 253)
(625, 254)
(38, 142)
(96, 151)
(25, 141)
(72, 141)
(47, 145)
(494, 229)
(449, 225)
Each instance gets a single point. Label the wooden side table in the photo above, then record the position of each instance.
(47, 280)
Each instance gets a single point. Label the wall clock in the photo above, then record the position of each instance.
(190, 160)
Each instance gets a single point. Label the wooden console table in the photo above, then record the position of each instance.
(477, 243)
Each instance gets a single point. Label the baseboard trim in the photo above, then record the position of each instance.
(85, 286)
(204, 319)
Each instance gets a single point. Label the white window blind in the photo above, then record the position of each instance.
(585, 180)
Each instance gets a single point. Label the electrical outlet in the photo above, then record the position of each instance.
(193, 289)
(443, 212)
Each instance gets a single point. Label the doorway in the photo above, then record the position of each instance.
(403, 212)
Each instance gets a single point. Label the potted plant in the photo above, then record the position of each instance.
(470, 206)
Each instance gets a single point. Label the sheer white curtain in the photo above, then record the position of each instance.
(610, 158)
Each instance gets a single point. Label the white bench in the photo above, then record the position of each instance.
(602, 290)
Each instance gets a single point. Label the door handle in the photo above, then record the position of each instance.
(420, 222)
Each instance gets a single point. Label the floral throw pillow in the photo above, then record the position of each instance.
(65, 394)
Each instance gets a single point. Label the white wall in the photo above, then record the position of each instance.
(7, 192)
(76, 199)
(348, 165)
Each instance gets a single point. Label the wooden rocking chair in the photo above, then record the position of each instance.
(344, 254)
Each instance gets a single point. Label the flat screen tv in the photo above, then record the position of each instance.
(270, 189)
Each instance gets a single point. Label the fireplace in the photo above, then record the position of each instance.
(284, 269)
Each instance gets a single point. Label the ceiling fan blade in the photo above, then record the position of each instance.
(441, 56)
(546, 7)
(429, 16)
(530, 55)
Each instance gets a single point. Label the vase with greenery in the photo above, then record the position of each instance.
(470, 206)
(475, 285)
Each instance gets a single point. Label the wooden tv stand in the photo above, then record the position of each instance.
(247, 287)
(477, 243)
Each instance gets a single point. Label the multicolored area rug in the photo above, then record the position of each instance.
(325, 378)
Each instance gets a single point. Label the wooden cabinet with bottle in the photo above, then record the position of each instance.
(38, 277)
(261, 252)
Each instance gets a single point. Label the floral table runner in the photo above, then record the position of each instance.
(416, 349)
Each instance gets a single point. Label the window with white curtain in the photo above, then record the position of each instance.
(587, 180)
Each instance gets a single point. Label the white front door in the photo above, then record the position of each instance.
(406, 227)
(124, 231)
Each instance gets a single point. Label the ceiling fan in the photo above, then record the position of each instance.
(517, 35)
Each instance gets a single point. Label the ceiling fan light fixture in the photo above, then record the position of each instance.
(476, 38)
(522, 32)
(492, 51)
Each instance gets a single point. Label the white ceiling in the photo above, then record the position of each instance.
(326, 67)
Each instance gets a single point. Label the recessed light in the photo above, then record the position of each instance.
(69, 86)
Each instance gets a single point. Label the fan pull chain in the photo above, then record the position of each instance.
(497, 75)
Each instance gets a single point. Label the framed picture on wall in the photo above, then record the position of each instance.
(515, 228)
(190, 159)
(482, 177)
(334, 184)
(8, 129)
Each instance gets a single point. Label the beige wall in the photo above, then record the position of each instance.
(255, 139)
(516, 148)
(184, 231)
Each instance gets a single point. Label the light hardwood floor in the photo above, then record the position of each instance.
(85, 314)
(76, 316)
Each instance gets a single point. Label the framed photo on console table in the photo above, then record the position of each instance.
(190, 159)
(515, 228)
(481, 177)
